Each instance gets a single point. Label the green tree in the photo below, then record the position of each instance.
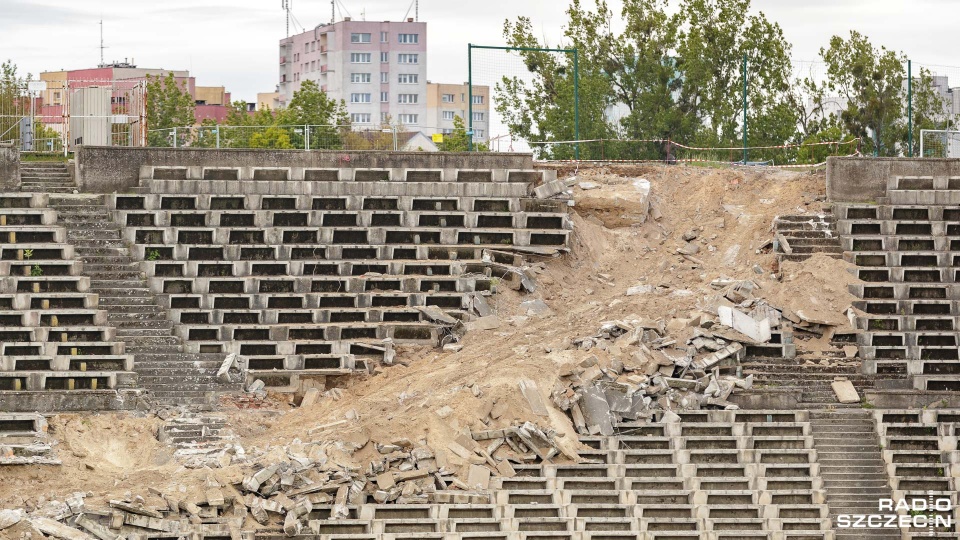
(13, 100)
(169, 105)
(327, 119)
(716, 37)
(543, 109)
(870, 80)
(272, 137)
(458, 140)
(930, 111)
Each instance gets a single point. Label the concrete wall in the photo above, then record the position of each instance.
(105, 169)
(9, 167)
(864, 179)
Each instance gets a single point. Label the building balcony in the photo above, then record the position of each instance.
(323, 49)
(323, 68)
(283, 60)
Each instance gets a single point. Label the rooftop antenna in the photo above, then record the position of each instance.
(102, 46)
(333, 11)
(287, 5)
(415, 5)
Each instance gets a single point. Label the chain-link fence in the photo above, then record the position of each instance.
(56, 116)
(303, 137)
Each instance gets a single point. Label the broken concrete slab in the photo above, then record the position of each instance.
(478, 477)
(9, 518)
(758, 331)
(531, 392)
(550, 189)
(58, 530)
(845, 391)
(535, 307)
(436, 314)
(490, 322)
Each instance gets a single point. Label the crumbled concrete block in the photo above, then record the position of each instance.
(490, 322)
(58, 530)
(478, 477)
(9, 518)
(845, 391)
(531, 392)
(505, 469)
(550, 189)
(758, 331)
(310, 397)
(385, 480)
(639, 289)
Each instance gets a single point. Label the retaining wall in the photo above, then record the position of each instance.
(864, 179)
(9, 167)
(106, 169)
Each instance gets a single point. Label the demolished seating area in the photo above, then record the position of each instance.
(315, 272)
(920, 451)
(908, 254)
(714, 474)
(731, 475)
(54, 341)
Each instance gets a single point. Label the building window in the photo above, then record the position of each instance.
(313, 65)
(313, 46)
(360, 118)
(359, 77)
(408, 78)
(384, 97)
(449, 115)
(408, 98)
(384, 77)
(359, 98)
(384, 116)
(446, 131)
(360, 38)
(409, 38)
(360, 58)
(408, 58)
(384, 37)
(306, 48)
(478, 100)
(478, 134)
(409, 119)
(447, 98)
(478, 116)
(384, 58)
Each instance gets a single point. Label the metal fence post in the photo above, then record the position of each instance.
(576, 104)
(306, 135)
(744, 109)
(218, 136)
(910, 109)
(174, 137)
(470, 96)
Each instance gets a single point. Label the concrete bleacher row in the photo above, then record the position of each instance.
(307, 272)
(920, 450)
(53, 337)
(714, 475)
(908, 254)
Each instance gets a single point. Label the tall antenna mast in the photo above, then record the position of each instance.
(102, 47)
(416, 13)
(333, 11)
(287, 6)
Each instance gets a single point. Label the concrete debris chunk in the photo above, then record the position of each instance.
(845, 391)
(9, 518)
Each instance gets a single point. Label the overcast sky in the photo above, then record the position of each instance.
(235, 42)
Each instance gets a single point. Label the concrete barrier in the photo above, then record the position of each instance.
(9, 167)
(864, 179)
(105, 169)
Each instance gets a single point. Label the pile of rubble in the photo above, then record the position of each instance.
(310, 483)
